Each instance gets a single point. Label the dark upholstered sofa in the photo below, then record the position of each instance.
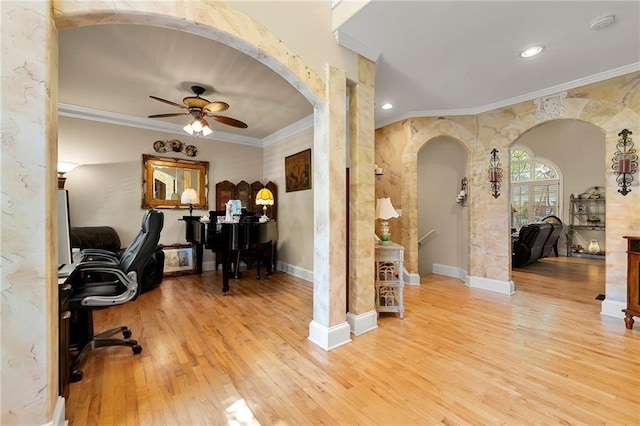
(98, 237)
(535, 241)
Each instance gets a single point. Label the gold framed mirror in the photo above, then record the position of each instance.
(164, 180)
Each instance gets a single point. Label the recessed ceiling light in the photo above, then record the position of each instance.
(532, 51)
(387, 106)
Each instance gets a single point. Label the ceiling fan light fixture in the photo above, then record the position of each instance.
(198, 127)
(206, 131)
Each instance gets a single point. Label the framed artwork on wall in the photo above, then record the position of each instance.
(297, 169)
(179, 259)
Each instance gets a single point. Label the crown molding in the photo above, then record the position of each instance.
(351, 43)
(595, 78)
(290, 130)
(85, 113)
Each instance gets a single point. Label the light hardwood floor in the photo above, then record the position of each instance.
(460, 356)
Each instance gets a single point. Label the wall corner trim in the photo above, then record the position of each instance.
(612, 308)
(362, 323)
(498, 286)
(329, 338)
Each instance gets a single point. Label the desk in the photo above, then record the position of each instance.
(64, 319)
(389, 283)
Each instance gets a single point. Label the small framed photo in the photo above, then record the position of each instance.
(179, 259)
(297, 169)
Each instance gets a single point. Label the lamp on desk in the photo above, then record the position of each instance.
(189, 196)
(384, 212)
(63, 168)
(264, 198)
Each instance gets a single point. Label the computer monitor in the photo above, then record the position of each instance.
(65, 256)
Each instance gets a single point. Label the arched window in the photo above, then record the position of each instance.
(535, 188)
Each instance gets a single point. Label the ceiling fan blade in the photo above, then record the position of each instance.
(168, 102)
(216, 107)
(229, 121)
(172, 114)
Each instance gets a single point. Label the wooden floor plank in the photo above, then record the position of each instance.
(460, 356)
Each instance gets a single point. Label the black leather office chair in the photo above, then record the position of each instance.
(104, 279)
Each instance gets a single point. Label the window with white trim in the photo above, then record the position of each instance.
(535, 188)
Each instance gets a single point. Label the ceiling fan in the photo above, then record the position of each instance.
(200, 108)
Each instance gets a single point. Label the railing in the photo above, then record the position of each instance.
(424, 236)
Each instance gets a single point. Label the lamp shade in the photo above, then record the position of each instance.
(264, 197)
(189, 196)
(65, 167)
(384, 209)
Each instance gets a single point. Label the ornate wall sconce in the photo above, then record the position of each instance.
(625, 161)
(462, 195)
(495, 173)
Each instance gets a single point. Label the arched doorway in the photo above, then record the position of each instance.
(557, 142)
(443, 225)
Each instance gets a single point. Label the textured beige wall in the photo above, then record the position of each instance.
(295, 209)
(610, 105)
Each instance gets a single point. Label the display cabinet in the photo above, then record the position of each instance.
(389, 283)
(587, 219)
(633, 281)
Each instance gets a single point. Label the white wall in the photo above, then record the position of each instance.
(295, 209)
(577, 148)
(441, 166)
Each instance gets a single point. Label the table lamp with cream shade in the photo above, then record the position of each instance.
(264, 198)
(189, 196)
(384, 212)
(63, 168)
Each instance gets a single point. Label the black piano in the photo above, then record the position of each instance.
(248, 238)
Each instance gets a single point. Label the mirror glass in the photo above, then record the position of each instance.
(165, 179)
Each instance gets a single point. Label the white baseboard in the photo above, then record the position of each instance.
(503, 287)
(451, 271)
(612, 308)
(409, 278)
(296, 271)
(329, 338)
(362, 323)
(58, 414)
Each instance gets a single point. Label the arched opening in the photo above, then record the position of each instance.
(443, 224)
(573, 150)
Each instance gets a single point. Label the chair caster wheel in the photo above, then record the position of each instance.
(126, 334)
(136, 349)
(75, 376)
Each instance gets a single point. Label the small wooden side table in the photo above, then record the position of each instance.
(389, 284)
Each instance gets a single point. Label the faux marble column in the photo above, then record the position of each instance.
(329, 328)
(362, 316)
(29, 275)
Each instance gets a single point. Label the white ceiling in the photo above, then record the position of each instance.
(435, 58)
(460, 57)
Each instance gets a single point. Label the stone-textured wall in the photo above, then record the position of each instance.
(611, 105)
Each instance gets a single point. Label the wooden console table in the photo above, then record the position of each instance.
(389, 283)
(633, 281)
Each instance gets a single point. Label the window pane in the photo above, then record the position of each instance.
(545, 201)
(520, 172)
(519, 205)
(544, 171)
(519, 155)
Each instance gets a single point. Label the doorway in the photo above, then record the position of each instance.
(576, 148)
